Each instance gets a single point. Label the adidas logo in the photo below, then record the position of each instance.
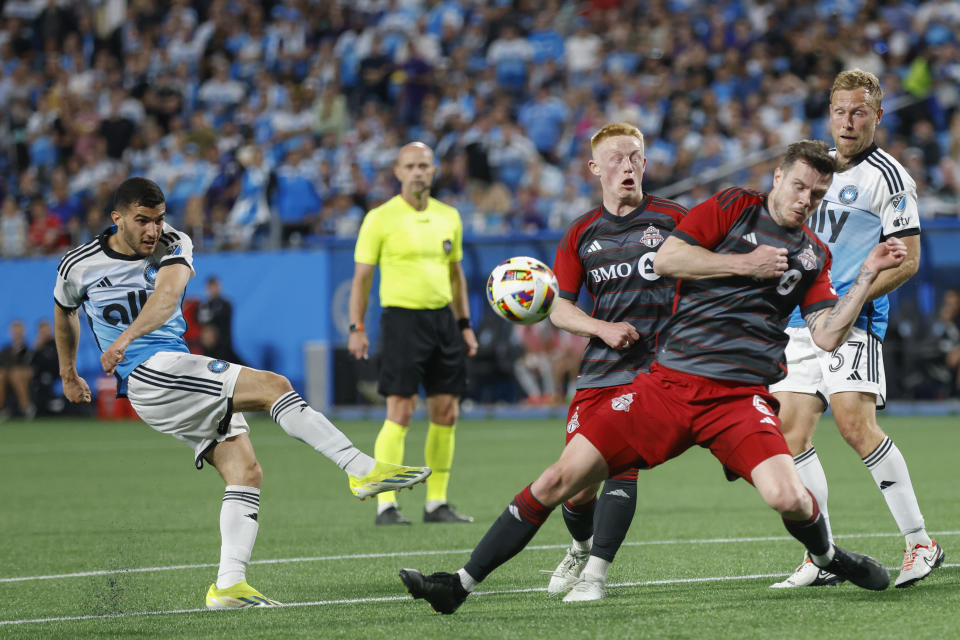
(854, 376)
(593, 246)
(620, 493)
(886, 484)
(104, 283)
(751, 238)
(252, 516)
(515, 512)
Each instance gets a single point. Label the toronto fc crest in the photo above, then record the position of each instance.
(808, 259)
(651, 237)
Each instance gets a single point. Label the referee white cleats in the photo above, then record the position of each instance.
(239, 596)
(808, 575)
(918, 563)
(387, 477)
(567, 573)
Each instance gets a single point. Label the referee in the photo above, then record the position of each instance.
(425, 325)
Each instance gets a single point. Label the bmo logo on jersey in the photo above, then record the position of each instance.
(619, 270)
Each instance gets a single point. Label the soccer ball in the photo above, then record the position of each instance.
(522, 290)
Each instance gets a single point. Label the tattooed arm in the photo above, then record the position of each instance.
(829, 327)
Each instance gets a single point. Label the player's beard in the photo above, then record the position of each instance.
(136, 244)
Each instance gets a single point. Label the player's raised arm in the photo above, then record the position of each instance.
(163, 302)
(66, 331)
(829, 327)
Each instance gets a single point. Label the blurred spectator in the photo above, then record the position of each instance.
(13, 229)
(942, 347)
(534, 370)
(251, 211)
(16, 373)
(45, 233)
(46, 371)
(215, 315)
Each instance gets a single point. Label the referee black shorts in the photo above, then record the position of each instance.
(421, 346)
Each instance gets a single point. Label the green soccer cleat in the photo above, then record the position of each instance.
(239, 596)
(387, 477)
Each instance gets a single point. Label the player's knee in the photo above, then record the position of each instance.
(859, 431)
(548, 489)
(275, 384)
(446, 414)
(786, 498)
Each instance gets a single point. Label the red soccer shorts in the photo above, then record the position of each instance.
(663, 413)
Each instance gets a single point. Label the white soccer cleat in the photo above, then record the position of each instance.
(588, 587)
(808, 575)
(918, 563)
(567, 572)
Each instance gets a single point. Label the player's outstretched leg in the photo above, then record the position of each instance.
(368, 477)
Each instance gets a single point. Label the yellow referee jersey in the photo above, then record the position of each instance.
(414, 250)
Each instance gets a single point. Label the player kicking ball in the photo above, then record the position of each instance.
(130, 281)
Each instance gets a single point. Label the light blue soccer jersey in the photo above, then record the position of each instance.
(874, 199)
(112, 288)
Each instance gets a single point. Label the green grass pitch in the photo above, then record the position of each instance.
(122, 507)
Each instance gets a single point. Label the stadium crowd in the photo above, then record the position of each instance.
(275, 124)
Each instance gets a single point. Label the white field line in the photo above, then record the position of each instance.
(321, 603)
(443, 552)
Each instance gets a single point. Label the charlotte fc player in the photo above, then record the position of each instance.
(130, 281)
(610, 250)
(745, 260)
(870, 200)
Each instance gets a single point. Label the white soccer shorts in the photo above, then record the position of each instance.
(856, 365)
(189, 397)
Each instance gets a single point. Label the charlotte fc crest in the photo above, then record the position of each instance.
(808, 258)
(651, 237)
(622, 403)
(849, 194)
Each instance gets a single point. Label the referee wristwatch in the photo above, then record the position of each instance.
(356, 327)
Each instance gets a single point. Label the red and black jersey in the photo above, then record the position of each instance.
(613, 256)
(733, 328)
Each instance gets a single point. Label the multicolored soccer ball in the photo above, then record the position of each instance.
(522, 290)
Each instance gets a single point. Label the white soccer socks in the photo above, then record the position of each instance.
(302, 422)
(238, 532)
(889, 471)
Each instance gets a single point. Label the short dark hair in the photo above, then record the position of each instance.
(137, 191)
(814, 152)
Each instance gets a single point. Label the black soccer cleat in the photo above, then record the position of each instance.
(391, 516)
(442, 590)
(861, 570)
(445, 513)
